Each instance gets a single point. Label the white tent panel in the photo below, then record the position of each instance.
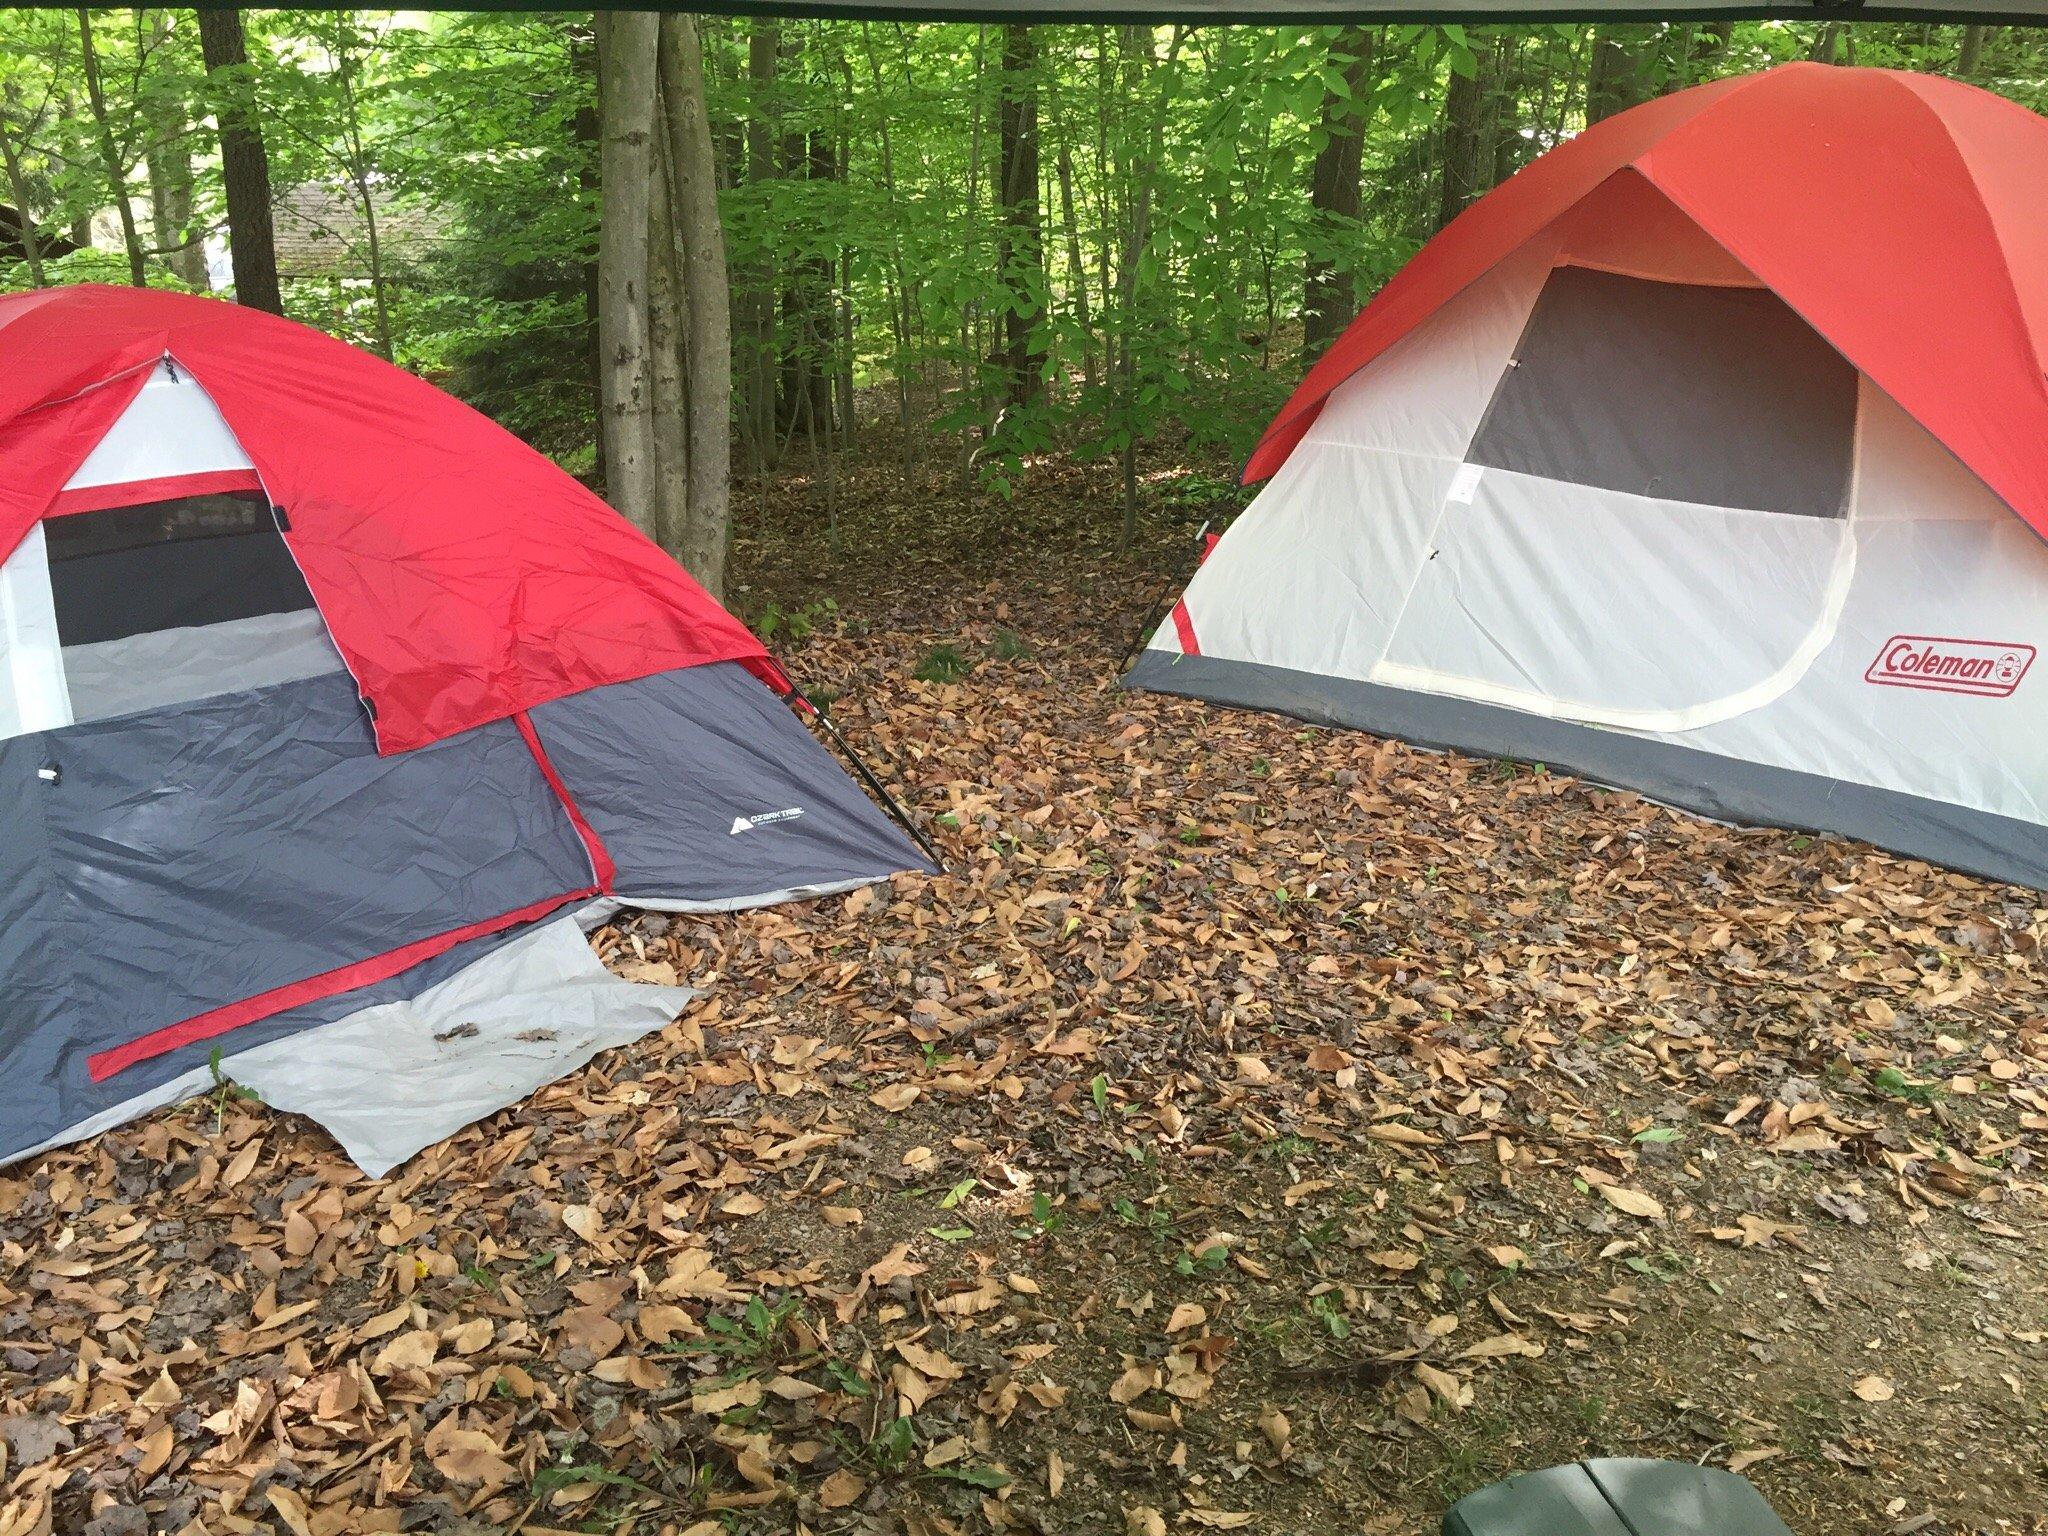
(1904, 475)
(1587, 604)
(172, 427)
(33, 696)
(1324, 596)
(1979, 583)
(1427, 392)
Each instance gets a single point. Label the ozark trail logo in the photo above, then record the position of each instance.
(1991, 669)
(766, 818)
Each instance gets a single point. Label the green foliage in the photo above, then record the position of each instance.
(943, 664)
(860, 196)
(224, 1089)
(795, 624)
(1893, 1083)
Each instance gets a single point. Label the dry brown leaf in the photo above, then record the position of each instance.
(1632, 1201)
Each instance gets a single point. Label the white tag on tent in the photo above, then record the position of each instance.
(1465, 483)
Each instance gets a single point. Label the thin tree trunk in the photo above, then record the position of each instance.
(359, 171)
(899, 296)
(589, 146)
(245, 167)
(17, 186)
(1077, 270)
(757, 363)
(1020, 245)
(626, 42)
(169, 161)
(1138, 41)
(1971, 58)
(1467, 153)
(668, 395)
(1619, 76)
(110, 153)
(1334, 195)
(170, 205)
(707, 306)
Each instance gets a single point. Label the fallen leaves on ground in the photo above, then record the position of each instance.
(1259, 1127)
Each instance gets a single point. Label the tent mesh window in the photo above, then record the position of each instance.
(192, 561)
(1677, 391)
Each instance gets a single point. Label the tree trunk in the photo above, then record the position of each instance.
(1971, 58)
(1471, 125)
(805, 335)
(589, 147)
(899, 289)
(169, 161)
(1327, 297)
(626, 42)
(702, 540)
(1077, 270)
(757, 361)
(245, 168)
(110, 153)
(1620, 76)
(1020, 244)
(17, 186)
(170, 212)
(361, 171)
(1138, 44)
(667, 393)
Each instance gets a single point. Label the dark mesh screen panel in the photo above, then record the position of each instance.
(197, 560)
(1722, 396)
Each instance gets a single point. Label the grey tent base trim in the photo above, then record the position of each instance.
(595, 913)
(1724, 788)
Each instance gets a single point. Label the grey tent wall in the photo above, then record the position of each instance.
(666, 768)
(158, 866)
(196, 855)
(1726, 788)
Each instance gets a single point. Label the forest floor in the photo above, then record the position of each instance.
(1257, 1128)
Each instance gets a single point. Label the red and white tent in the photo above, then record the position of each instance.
(326, 707)
(1707, 455)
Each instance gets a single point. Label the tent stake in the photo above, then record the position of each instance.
(888, 800)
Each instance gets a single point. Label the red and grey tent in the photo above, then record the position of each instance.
(319, 693)
(1708, 455)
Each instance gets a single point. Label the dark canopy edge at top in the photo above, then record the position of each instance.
(1278, 12)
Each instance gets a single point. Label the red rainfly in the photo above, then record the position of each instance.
(1902, 215)
(463, 576)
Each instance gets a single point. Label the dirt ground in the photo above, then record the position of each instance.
(1258, 1127)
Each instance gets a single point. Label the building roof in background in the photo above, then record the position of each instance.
(321, 232)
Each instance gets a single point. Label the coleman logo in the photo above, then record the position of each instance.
(1988, 668)
(766, 818)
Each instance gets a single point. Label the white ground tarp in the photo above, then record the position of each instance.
(393, 1079)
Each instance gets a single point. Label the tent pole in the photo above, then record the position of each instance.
(1153, 608)
(888, 800)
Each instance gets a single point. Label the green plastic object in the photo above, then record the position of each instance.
(1617, 1497)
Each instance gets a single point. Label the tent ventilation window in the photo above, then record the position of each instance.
(1676, 391)
(134, 608)
(171, 564)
